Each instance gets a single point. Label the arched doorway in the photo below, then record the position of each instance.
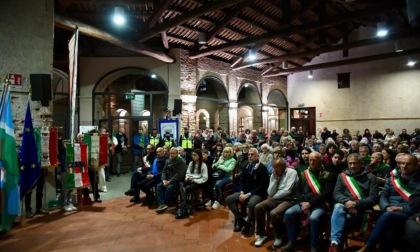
(142, 93)
(212, 103)
(250, 109)
(277, 116)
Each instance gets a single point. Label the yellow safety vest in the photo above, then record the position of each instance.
(154, 140)
(186, 142)
(168, 142)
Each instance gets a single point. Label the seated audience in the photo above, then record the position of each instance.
(394, 199)
(253, 189)
(173, 173)
(355, 192)
(195, 179)
(314, 192)
(281, 193)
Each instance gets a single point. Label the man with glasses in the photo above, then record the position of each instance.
(253, 189)
(394, 199)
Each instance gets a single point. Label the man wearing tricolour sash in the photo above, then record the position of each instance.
(394, 204)
(355, 192)
(316, 185)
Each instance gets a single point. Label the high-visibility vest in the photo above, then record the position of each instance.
(168, 142)
(154, 140)
(186, 142)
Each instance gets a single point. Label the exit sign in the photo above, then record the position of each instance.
(129, 96)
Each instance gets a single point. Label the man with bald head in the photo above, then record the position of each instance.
(281, 192)
(394, 199)
(314, 190)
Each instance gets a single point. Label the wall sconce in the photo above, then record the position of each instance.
(381, 29)
(310, 75)
(398, 46)
(285, 65)
(202, 38)
(119, 17)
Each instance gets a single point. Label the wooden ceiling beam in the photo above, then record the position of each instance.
(297, 29)
(345, 62)
(327, 49)
(158, 12)
(226, 20)
(187, 16)
(69, 23)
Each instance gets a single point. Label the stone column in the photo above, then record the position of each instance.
(188, 112)
(264, 116)
(233, 117)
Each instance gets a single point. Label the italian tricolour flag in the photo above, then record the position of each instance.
(77, 165)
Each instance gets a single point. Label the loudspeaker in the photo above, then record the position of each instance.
(41, 88)
(177, 107)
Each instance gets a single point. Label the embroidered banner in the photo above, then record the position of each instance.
(76, 163)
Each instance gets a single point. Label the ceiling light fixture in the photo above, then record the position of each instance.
(119, 17)
(153, 76)
(202, 38)
(310, 75)
(251, 55)
(381, 29)
(411, 62)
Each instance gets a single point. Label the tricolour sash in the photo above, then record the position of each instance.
(394, 172)
(402, 189)
(313, 182)
(353, 187)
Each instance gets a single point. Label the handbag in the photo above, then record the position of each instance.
(218, 174)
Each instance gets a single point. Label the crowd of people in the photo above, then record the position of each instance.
(294, 181)
(303, 185)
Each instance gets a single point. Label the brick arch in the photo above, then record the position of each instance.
(206, 114)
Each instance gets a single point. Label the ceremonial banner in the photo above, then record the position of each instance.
(103, 150)
(9, 164)
(45, 146)
(53, 149)
(77, 165)
(73, 54)
(30, 167)
(94, 154)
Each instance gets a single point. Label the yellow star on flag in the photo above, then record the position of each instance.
(28, 129)
(33, 166)
(22, 168)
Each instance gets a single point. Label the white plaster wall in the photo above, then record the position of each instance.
(92, 69)
(382, 93)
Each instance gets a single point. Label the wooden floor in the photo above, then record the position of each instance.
(117, 225)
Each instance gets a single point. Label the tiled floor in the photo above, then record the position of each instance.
(117, 225)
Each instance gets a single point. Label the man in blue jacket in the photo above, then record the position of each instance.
(394, 205)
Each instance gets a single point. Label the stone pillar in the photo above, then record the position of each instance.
(233, 117)
(264, 116)
(188, 112)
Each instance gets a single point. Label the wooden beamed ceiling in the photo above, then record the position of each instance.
(295, 31)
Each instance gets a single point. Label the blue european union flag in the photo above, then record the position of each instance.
(30, 167)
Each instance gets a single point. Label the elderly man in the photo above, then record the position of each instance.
(355, 192)
(379, 168)
(140, 174)
(364, 153)
(253, 189)
(281, 191)
(315, 188)
(394, 204)
(173, 173)
(153, 177)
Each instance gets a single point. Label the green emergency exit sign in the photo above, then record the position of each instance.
(129, 96)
